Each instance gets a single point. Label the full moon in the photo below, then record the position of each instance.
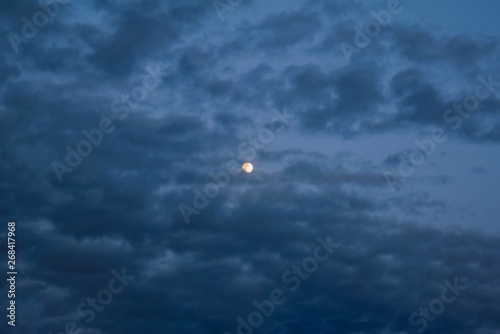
(247, 167)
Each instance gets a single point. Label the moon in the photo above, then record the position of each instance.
(247, 167)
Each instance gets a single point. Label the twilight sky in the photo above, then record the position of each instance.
(373, 128)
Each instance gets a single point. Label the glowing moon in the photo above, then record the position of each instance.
(247, 167)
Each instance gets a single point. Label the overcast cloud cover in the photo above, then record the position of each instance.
(334, 122)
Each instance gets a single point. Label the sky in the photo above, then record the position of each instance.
(373, 128)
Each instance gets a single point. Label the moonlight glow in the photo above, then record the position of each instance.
(247, 167)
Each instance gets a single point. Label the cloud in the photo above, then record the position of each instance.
(120, 207)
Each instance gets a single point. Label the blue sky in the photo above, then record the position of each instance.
(125, 125)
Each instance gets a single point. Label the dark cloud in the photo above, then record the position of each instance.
(114, 54)
(119, 208)
(420, 45)
(418, 100)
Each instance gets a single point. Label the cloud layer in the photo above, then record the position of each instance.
(221, 84)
